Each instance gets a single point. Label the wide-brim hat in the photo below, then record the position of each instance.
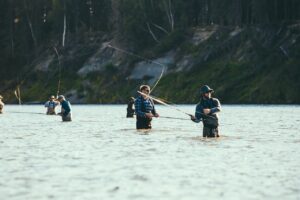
(205, 89)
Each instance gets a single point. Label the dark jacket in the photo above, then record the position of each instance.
(66, 107)
(212, 103)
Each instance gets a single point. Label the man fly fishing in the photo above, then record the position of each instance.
(206, 111)
(51, 105)
(144, 109)
(65, 109)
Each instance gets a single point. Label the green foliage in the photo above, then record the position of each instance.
(29, 29)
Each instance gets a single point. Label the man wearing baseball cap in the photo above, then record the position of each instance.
(51, 105)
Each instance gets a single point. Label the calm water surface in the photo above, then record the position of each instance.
(100, 155)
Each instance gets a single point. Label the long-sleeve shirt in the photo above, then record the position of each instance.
(213, 104)
(65, 107)
(143, 106)
(51, 104)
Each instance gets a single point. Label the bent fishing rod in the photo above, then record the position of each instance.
(163, 103)
(59, 72)
(142, 58)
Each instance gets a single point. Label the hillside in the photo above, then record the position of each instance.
(244, 63)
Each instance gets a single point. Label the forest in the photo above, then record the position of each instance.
(249, 50)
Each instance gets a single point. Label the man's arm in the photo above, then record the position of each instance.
(47, 104)
(217, 107)
(198, 114)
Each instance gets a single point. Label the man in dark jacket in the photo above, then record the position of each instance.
(144, 109)
(206, 111)
(65, 109)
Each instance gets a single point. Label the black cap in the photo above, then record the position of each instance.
(205, 89)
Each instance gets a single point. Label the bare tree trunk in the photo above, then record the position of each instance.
(168, 7)
(152, 34)
(12, 31)
(65, 26)
(171, 15)
(64, 32)
(30, 25)
(160, 28)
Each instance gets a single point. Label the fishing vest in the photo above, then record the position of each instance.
(143, 107)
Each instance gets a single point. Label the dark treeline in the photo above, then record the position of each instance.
(29, 27)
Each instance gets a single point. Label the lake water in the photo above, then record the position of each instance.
(100, 155)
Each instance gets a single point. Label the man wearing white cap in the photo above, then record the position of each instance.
(65, 109)
(50, 105)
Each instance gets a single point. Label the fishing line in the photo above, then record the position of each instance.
(142, 58)
(172, 106)
(29, 113)
(173, 118)
(59, 71)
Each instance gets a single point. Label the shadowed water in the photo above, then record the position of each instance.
(100, 155)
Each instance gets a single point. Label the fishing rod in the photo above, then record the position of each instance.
(172, 106)
(163, 103)
(59, 72)
(142, 58)
(173, 118)
(29, 113)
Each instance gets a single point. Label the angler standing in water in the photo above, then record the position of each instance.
(1, 105)
(51, 105)
(144, 109)
(65, 109)
(207, 110)
(130, 109)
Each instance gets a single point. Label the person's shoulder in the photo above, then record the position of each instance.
(215, 100)
(198, 105)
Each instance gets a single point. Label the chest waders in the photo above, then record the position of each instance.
(67, 118)
(210, 124)
(144, 122)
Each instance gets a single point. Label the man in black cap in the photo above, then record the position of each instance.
(206, 111)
